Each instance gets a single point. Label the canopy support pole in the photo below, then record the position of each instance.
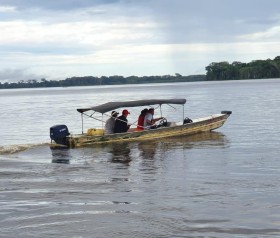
(183, 113)
(82, 123)
(102, 121)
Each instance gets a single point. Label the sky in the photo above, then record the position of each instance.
(57, 39)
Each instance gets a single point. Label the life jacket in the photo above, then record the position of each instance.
(140, 123)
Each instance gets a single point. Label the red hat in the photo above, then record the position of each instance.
(125, 112)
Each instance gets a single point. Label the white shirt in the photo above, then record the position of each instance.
(148, 117)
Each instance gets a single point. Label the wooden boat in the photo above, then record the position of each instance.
(60, 134)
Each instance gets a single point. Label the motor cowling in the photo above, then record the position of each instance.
(58, 133)
(187, 120)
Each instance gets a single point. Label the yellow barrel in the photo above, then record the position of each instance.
(95, 132)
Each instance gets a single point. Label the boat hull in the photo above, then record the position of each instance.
(197, 126)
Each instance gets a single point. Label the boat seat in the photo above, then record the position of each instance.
(132, 129)
(171, 124)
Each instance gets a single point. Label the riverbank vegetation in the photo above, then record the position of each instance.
(112, 80)
(256, 69)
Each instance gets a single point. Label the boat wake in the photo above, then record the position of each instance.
(12, 149)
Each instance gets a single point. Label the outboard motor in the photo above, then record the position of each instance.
(187, 120)
(58, 133)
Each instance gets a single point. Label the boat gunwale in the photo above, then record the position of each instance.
(148, 134)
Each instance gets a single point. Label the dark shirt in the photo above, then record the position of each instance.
(121, 125)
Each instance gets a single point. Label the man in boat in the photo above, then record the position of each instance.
(121, 122)
(149, 121)
(110, 123)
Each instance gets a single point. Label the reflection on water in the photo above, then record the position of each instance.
(120, 153)
(205, 139)
(147, 150)
(60, 155)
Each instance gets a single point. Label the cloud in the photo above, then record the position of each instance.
(16, 75)
(7, 9)
(271, 34)
(214, 21)
(64, 5)
(63, 38)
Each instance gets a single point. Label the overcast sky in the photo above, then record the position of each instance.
(56, 39)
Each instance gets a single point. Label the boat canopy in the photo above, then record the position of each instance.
(109, 106)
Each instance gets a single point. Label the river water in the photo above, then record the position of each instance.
(220, 184)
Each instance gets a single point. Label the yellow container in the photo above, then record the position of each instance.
(95, 132)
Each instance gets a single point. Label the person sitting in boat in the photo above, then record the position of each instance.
(149, 120)
(110, 123)
(121, 124)
(140, 123)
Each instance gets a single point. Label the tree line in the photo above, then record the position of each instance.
(111, 80)
(256, 69)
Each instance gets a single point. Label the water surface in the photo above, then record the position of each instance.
(218, 184)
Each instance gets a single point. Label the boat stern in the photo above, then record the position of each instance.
(59, 133)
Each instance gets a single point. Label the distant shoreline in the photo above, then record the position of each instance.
(221, 71)
(97, 81)
(71, 82)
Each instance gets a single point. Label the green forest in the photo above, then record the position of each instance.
(256, 69)
(111, 80)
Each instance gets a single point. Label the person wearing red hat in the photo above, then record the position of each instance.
(121, 122)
